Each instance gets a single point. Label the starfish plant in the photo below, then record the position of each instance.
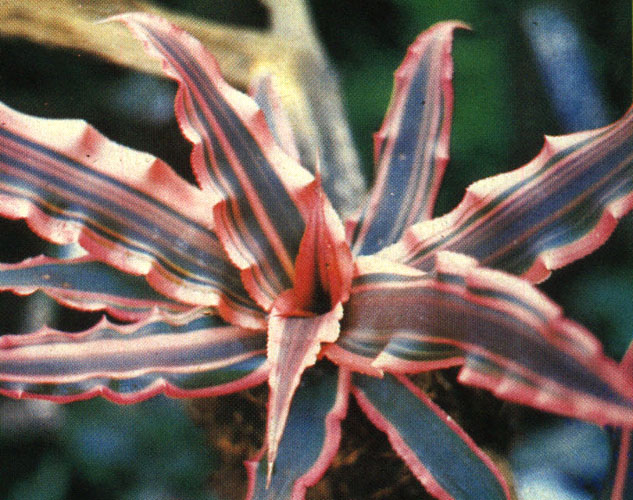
(252, 276)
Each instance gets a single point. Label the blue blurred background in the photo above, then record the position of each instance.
(528, 68)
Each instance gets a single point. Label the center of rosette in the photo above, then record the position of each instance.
(324, 263)
(309, 313)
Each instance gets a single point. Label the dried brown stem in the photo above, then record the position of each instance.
(290, 51)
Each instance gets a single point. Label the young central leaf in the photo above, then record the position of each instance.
(309, 313)
(323, 268)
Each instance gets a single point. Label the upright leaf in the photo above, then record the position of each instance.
(439, 453)
(310, 91)
(309, 313)
(190, 356)
(411, 147)
(324, 265)
(255, 185)
(558, 208)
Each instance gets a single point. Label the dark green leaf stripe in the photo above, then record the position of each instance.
(319, 405)
(412, 144)
(493, 317)
(440, 454)
(126, 208)
(256, 185)
(188, 358)
(87, 284)
(557, 208)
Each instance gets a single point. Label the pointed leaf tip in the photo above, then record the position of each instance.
(320, 404)
(253, 183)
(556, 209)
(324, 264)
(411, 148)
(294, 344)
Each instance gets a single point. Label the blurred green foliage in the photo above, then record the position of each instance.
(102, 451)
(150, 450)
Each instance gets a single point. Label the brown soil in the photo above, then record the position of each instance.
(365, 468)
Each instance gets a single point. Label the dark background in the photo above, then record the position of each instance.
(503, 106)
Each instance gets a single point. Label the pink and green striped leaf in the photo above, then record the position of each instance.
(558, 208)
(311, 439)
(308, 314)
(89, 285)
(126, 208)
(514, 341)
(324, 265)
(619, 482)
(294, 344)
(411, 147)
(254, 184)
(190, 356)
(377, 311)
(263, 92)
(439, 453)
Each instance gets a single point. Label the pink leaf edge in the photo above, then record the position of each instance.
(427, 232)
(160, 386)
(88, 301)
(328, 452)
(290, 173)
(622, 464)
(293, 346)
(408, 456)
(142, 172)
